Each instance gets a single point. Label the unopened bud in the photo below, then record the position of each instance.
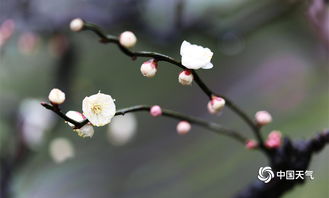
(149, 68)
(273, 140)
(183, 127)
(263, 118)
(56, 96)
(127, 39)
(185, 77)
(251, 144)
(216, 104)
(155, 110)
(76, 25)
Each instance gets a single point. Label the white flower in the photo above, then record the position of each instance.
(60, 150)
(122, 129)
(149, 68)
(56, 96)
(127, 39)
(99, 109)
(195, 56)
(86, 130)
(185, 77)
(76, 25)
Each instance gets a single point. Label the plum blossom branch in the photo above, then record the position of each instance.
(165, 112)
(176, 115)
(56, 109)
(104, 38)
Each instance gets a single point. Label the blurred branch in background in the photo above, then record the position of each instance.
(318, 14)
(216, 22)
(11, 161)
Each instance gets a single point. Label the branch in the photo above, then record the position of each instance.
(57, 110)
(161, 57)
(292, 155)
(165, 112)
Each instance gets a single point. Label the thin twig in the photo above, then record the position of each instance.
(161, 57)
(165, 112)
(57, 110)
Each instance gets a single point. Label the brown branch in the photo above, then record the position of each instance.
(57, 110)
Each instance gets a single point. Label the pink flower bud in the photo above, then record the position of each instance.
(263, 118)
(183, 127)
(28, 43)
(127, 39)
(274, 139)
(56, 96)
(185, 77)
(156, 111)
(76, 25)
(7, 29)
(275, 135)
(149, 68)
(251, 144)
(216, 104)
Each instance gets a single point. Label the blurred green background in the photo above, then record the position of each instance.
(268, 55)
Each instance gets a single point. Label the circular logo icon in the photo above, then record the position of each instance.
(265, 174)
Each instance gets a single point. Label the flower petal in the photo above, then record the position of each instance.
(195, 56)
(208, 66)
(185, 47)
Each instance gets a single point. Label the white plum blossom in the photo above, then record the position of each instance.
(127, 39)
(195, 56)
(185, 77)
(56, 96)
(60, 150)
(122, 129)
(99, 109)
(86, 130)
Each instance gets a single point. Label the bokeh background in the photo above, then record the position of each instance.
(268, 55)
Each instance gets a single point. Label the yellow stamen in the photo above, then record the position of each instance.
(96, 109)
